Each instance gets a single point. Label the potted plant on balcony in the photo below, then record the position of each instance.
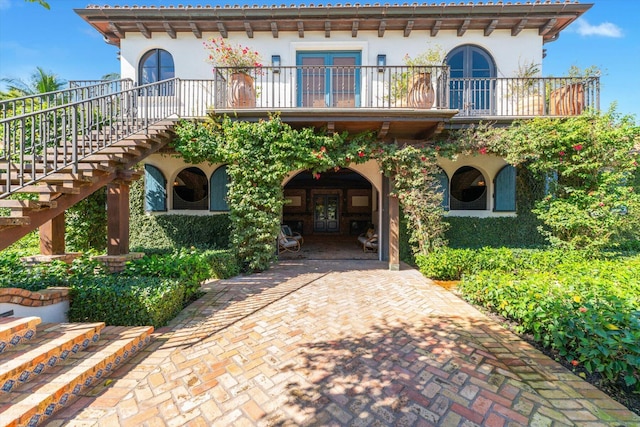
(237, 63)
(526, 91)
(413, 87)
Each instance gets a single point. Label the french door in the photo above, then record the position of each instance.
(328, 79)
(325, 213)
(472, 80)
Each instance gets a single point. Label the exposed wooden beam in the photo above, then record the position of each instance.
(489, 29)
(301, 29)
(248, 29)
(116, 30)
(354, 28)
(169, 29)
(516, 30)
(384, 130)
(381, 28)
(196, 31)
(144, 30)
(547, 27)
(463, 28)
(274, 29)
(223, 30)
(436, 27)
(327, 29)
(408, 28)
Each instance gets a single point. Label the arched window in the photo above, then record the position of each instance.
(471, 83)
(156, 65)
(218, 190)
(191, 190)
(155, 189)
(468, 189)
(504, 192)
(443, 180)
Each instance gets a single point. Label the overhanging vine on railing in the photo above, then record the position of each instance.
(259, 156)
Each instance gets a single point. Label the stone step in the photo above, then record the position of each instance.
(53, 390)
(16, 330)
(54, 343)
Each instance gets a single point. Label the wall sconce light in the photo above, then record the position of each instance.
(275, 63)
(382, 62)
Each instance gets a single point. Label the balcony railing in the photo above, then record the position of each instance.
(390, 87)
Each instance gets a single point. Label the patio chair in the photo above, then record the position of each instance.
(286, 244)
(369, 241)
(290, 234)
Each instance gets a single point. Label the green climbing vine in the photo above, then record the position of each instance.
(260, 155)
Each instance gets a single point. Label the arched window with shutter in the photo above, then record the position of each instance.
(218, 185)
(443, 180)
(155, 189)
(505, 190)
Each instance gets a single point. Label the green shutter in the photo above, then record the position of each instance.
(218, 190)
(505, 190)
(443, 180)
(155, 189)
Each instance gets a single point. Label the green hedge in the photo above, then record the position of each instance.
(512, 232)
(125, 301)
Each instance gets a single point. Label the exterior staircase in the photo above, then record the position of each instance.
(63, 154)
(43, 367)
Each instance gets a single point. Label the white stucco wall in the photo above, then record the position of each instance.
(53, 313)
(190, 56)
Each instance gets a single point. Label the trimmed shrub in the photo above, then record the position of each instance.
(512, 232)
(125, 301)
(223, 263)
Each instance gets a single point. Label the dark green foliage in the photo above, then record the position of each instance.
(126, 301)
(165, 233)
(514, 232)
(86, 224)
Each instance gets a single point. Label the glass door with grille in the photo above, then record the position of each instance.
(328, 79)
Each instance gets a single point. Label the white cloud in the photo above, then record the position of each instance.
(606, 29)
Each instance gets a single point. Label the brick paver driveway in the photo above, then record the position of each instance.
(340, 343)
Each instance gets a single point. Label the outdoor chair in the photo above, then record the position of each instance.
(286, 244)
(290, 234)
(369, 241)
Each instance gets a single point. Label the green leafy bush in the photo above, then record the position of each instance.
(15, 274)
(126, 301)
(223, 263)
(586, 309)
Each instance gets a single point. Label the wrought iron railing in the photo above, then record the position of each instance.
(47, 133)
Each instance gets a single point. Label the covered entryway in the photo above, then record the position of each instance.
(331, 210)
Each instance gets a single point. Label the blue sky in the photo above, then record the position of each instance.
(58, 40)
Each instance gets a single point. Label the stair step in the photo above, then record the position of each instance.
(28, 204)
(44, 189)
(54, 390)
(54, 177)
(16, 330)
(54, 342)
(10, 221)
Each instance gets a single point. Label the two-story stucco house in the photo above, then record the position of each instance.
(335, 68)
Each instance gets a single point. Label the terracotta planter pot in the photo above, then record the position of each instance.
(420, 92)
(531, 105)
(567, 101)
(242, 92)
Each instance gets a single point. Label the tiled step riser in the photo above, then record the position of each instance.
(65, 389)
(17, 331)
(10, 382)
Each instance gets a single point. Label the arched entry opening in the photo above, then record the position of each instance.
(333, 207)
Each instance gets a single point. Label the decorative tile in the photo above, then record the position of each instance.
(39, 368)
(29, 334)
(33, 422)
(125, 354)
(24, 376)
(95, 338)
(15, 340)
(6, 387)
(118, 360)
(64, 399)
(75, 348)
(52, 361)
(64, 354)
(77, 389)
(99, 373)
(3, 345)
(88, 381)
(86, 343)
(50, 409)
(109, 367)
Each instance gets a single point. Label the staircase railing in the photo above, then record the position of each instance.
(45, 134)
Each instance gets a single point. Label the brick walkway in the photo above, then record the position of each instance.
(337, 343)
